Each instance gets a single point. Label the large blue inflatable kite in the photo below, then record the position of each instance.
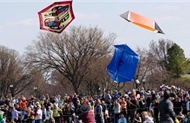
(123, 65)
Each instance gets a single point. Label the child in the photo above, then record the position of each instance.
(122, 119)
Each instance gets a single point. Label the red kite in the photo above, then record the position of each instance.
(142, 21)
(57, 16)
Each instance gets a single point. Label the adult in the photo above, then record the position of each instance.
(116, 111)
(87, 115)
(167, 114)
(38, 114)
(98, 110)
(187, 104)
(146, 117)
(56, 112)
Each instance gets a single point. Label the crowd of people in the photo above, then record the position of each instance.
(167, 105)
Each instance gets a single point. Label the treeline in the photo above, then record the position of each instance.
(76, 60)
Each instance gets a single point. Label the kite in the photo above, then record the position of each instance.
(123, 65)
(56, 17)
(142, 21)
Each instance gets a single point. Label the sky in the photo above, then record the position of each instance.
(20, 22)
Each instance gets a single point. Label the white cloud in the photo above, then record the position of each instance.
(167, 7)
(86, 16)
(24, 22)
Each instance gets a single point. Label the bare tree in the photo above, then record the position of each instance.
(13, 75)
(70, 53)
(158, 57)
(151, 67)
(158, 51)
(144, 67)
(98, 80)
(58, 79)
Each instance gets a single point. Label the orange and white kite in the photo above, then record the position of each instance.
(142, 21)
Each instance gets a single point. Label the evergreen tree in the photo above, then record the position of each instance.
(177, 64)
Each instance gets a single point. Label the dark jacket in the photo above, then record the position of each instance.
(167, 113)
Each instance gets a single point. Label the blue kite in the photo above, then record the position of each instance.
(123, 65)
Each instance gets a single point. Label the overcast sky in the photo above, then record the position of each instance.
(20, 23)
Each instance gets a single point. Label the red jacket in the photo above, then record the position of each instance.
(87, 117)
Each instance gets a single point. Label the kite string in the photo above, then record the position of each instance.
(124, 34)
(151, 36)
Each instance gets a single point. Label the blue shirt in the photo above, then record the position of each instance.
(122, 120)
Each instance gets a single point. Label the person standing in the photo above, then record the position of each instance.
(15, 115)
(87, 115)
(49, 115)
(117, 111)
(167, 114)
(56, 112)
(155, 104)
(187, 104)
(133, 104)
(123, 104)
(99, 112)
(38, 114)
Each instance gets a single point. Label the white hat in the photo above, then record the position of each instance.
(173, 86)
(162, 86)
(126, 95)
